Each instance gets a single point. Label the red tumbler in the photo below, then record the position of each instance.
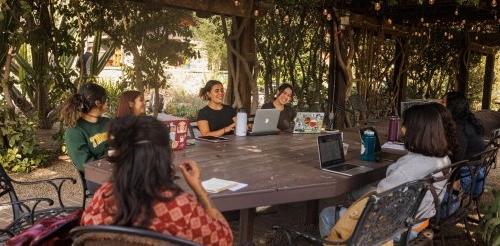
(393, 133)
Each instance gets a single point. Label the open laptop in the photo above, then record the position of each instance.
(265, 122)
(308, 122)
(331, 156)
(379, 154)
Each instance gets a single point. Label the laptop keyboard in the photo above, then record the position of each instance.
(342, 168)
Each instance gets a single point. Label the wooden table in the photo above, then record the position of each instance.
(278, 169)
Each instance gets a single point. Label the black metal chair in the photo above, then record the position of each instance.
(459, 203)
(385, 216)
(25, 212)
(122, 236)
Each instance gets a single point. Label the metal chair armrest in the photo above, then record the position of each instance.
(56, 183)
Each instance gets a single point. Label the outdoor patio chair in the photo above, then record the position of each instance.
(459, 204)
(26, 212)
(122, 236)
(385, 216)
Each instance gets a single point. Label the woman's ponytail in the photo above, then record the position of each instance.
(82, 102)
(207, 88)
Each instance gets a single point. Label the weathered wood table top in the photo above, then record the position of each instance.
(278, 169)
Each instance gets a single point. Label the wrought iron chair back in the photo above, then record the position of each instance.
(385, 216)
(389, 214)
(123, 236)
(6, 188)
(25, 212)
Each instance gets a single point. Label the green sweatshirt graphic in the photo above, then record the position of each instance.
(87, 141)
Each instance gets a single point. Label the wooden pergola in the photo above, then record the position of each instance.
(404, 17)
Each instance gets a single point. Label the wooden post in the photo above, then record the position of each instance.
(331, 81)
(463, 69)
(339, 97)
(242, 86)
(489, 78)
(400, 75)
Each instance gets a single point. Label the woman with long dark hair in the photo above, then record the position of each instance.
(426, 142)
(450, 130)
(281, 102)
(131, 103)
(86, 135)
(469, 129)
(215, 119)
(142, 192)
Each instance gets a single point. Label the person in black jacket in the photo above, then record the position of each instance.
(469, 129)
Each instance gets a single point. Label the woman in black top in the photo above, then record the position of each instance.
(215, 119)
(281, 102)
(469, 129)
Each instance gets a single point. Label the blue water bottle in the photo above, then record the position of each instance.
(368, 146)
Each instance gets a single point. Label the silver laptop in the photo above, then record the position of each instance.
(331, 156)
(308, 122)
(265, 122)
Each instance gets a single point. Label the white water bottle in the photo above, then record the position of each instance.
(241, 123)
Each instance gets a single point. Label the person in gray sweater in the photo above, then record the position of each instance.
(425, 140)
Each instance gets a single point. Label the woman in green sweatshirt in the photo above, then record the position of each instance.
(86, 134)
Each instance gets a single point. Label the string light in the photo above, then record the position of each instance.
(377, 6)
(493, 3)
(325, 12)
(286, 19)
(236, 3)
(422, 19)
(456, 11)
(329, 16)
(256, 12)
(276, 11)
(431, 2)
(476, 38)
(389, 21)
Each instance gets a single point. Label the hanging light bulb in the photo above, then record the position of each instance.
(476, 38)
(493, 3)
(463, 22)
(325, 12)
(286, 19)
(445, 34)
(256, 12)
(276, 11)
(389, 21)
(456, 11)
(431, 2)
(329, 16)
(393, 27)
(236, 3)
(377, 6)
(422, 19)
(450, 37)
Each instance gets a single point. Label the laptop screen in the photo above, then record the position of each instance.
(330, 150)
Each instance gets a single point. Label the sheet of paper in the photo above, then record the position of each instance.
(393, 146)
(239, 186)
(215, 185)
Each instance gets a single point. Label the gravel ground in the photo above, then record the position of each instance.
(289, 214)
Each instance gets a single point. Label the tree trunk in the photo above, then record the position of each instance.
(5, 84)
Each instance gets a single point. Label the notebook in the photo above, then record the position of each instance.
(215, 185)
(308, 122)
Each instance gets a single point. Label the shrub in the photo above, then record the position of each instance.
(18, 147)
(491, 233)
(114, 91)
(182, 104)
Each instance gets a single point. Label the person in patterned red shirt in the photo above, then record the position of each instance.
(142, 193)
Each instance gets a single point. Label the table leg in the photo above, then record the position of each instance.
(312, 212)
(246, 226)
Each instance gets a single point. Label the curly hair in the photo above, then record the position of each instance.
(450, 129)
(142, 170)
(458, 105)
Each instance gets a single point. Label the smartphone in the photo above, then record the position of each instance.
(212, 139)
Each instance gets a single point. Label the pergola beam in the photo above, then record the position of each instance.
(221, 7)
(489, 79)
